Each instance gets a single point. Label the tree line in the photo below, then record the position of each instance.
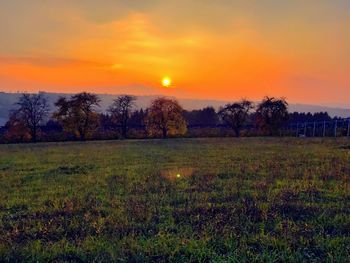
(78, 118)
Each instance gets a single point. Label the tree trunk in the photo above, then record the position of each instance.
(237, 132)
(165, 133)
(82, 135)
(34, 134)
(124, 131)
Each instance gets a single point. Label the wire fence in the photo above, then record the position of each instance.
(330, 128)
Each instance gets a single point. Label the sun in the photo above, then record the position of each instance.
(166, 82)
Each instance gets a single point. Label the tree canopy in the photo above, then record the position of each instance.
(271, 114)
(78, 114)
(236, 115)
(164, 117)
(32, 110)
(120, 112)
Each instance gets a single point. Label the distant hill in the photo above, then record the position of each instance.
(8, 100)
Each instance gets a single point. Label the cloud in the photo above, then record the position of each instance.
(45, 61)
(238, 47)
(110, 10)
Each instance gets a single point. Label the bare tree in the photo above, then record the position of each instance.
(271, 113)
(236, 115)
(121, 111)
(32, 111)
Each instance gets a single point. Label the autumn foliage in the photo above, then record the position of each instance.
(165, 118)
(77, 115)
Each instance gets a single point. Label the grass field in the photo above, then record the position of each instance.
(198, 200)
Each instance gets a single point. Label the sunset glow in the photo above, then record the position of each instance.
(214, 49)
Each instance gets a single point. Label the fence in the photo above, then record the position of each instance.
(332, 128)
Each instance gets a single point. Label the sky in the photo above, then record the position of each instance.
(222, 49)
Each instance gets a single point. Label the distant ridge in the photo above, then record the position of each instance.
(7, 101)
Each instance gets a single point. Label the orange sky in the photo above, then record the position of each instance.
(210, 49)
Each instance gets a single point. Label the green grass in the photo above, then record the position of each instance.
(236, 200)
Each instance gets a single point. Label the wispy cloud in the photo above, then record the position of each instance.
(222, 49)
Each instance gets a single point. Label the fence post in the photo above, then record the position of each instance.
(324, 128)
(349, 127)
(305, 129)
(314, 131)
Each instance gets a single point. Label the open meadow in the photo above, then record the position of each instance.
(181, 200)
